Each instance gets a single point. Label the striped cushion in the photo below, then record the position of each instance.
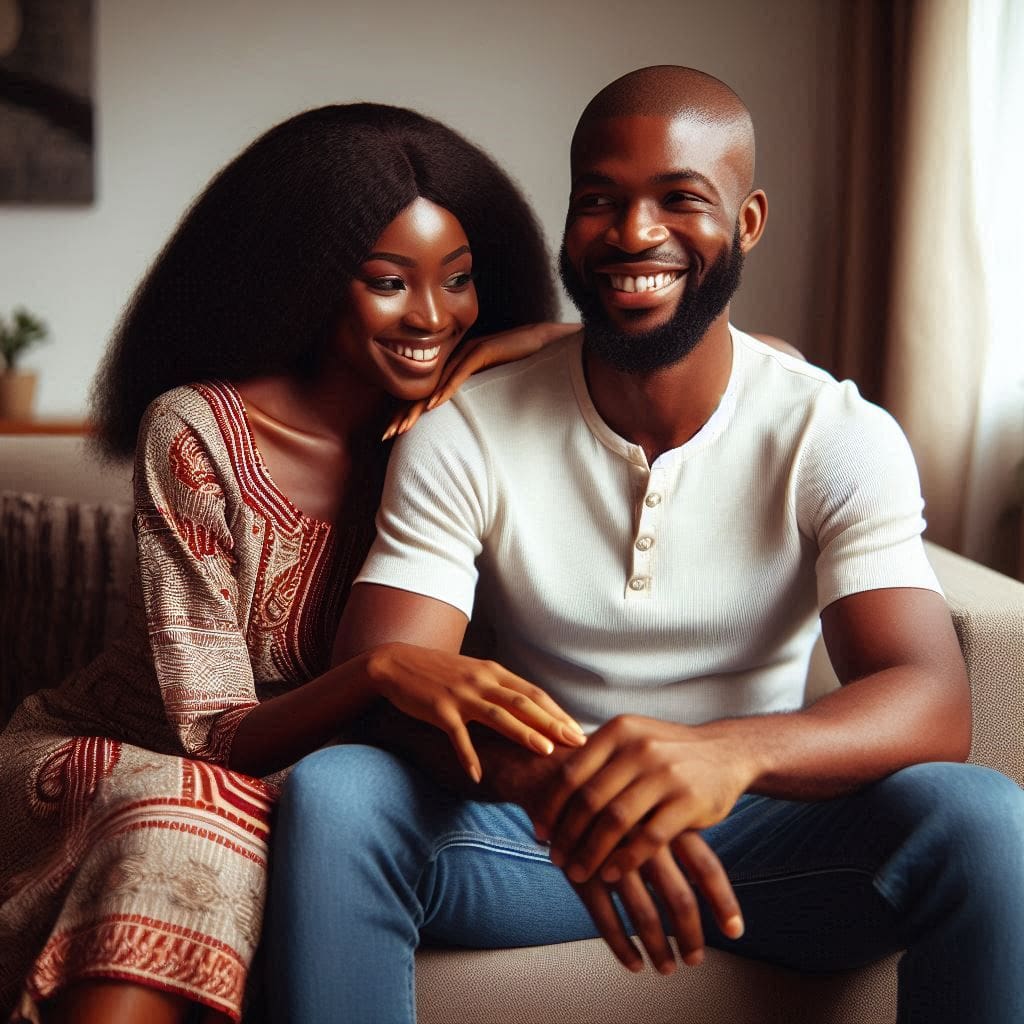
(65, 569)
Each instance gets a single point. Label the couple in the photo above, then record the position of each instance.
(656, 514)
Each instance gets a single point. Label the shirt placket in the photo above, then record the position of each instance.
(641, 580)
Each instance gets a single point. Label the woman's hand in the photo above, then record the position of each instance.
(478, 354)
(450, 690)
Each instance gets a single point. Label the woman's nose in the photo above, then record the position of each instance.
(427, 313)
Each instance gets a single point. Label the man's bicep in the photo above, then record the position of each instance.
(892, 627)
(377, 615)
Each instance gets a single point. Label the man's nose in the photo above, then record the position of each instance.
(427, 313)
(638, 228)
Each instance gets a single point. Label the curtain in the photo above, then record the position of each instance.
(927, 279)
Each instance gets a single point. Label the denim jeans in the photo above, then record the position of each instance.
(371, 858)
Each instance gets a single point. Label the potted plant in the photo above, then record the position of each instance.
(18, 387)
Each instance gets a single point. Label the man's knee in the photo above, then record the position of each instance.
(975, 814)
(345, 784)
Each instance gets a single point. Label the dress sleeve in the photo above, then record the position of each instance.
(189, 589)
(860, 500)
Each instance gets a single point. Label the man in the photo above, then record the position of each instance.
(658, 514)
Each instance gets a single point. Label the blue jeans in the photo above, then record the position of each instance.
(371, 858)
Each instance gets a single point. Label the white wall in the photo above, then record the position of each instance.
(181, 87)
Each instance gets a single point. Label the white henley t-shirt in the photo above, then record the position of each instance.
(687, 590)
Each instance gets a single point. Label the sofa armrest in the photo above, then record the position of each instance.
(988, 613)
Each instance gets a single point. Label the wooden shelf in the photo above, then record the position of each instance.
(45, 426)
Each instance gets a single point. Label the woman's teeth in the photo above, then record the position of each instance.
(419, 355)
(648, 283)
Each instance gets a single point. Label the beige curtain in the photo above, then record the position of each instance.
(909, 295)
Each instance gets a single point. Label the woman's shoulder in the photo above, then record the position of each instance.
(202, 420)
(210, 410)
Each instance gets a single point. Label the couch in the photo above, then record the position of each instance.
(65, 562)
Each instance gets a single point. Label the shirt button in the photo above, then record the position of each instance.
(652, 500)
(637, 583)
(645, 543)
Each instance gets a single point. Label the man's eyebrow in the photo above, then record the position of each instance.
(591, 178)
(455, 254)
(671, 177)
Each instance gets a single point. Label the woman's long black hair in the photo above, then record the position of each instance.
(252, 282)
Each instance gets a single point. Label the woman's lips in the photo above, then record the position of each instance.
(418, 352)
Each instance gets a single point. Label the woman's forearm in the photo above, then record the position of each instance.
(279, 731)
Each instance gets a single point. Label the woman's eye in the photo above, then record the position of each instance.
(459, 281)
(386, 284)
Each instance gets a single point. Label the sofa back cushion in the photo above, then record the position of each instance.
(65, 570)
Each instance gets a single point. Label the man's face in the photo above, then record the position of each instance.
(652, 249)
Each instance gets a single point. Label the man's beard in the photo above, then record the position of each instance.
(665, 345)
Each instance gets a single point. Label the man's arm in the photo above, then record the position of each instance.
(639, 783)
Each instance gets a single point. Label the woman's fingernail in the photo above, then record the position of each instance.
(557, 858)
(694, 959)
(734, 926)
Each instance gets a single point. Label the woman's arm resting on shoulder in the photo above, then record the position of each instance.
(478, 354)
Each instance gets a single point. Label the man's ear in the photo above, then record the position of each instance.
(751, 221)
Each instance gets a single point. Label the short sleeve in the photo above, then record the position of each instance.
(434, 512)
(189, 590)
(859, 499)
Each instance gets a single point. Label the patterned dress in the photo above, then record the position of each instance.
(127, 849)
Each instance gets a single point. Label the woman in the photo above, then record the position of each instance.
(328, 271)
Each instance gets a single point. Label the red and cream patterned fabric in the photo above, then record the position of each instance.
(127, 849)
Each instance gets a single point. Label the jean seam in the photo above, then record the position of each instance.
(790, 876)
(481, 840)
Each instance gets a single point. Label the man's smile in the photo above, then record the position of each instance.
(641, 288)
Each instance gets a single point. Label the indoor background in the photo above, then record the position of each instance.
(885, 256)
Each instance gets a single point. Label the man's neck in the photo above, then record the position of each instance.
(662, 410)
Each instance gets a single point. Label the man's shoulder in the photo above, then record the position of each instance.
(782, 380)
(546, 371)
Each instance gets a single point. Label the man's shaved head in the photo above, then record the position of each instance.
(667, 90)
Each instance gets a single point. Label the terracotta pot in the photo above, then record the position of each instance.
(17, 394)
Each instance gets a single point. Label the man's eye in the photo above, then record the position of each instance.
(592, 202)
(674, 198)
(386, 284)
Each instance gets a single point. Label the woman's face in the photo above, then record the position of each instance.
(410, 302)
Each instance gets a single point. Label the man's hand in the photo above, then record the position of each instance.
(638, 785)
(666, 884)
(662, 883)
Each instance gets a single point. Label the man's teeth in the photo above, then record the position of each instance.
(419, 355)
(648, 283)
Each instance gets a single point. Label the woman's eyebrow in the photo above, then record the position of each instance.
(455, 254)
(391, 257)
